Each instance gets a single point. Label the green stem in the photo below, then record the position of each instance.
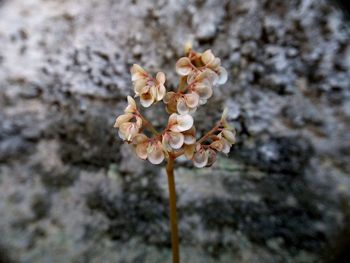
(172, 205)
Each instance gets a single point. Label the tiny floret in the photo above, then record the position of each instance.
(200, 73)
(149, 89)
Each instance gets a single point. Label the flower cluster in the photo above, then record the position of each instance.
(199, 74)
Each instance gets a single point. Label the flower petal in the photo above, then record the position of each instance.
(224, 114)
(192, 99)
(121, 135)
(128, 130)
(227, 146)
(176, 140)
(202, 101)
(172, 119)
(211, 157)
(229, 136)
(189, 151)
(155, 153)
(138, 121)
(217, 145)
(181, 106)
(122, 119)
(200, 159)
(183, 123)
(165, 142)
(208, 75)
(141, 150)
(207, 57)
(161, 92)
(125, 127)
(204, 90)
(222, 76)
(189, 139)
(140, 86)
(140, 138)
(160, 77)
(137, 72)
(131, 108)
(183, 66)
(146, 99)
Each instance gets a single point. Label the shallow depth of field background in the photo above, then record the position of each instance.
(70, 191)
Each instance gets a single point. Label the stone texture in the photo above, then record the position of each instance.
(70, 190)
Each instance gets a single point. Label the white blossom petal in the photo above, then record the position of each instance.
(161, 92)
(189, 151)
(204, 90)
(165, 142)
(137, 72)
(222, 74)
(128, 130)
(183, 123)
(192, 99)
(207, 57)
(215, 63)
(138, 121)
(172, 119)
(141, 150)
(181, 106)
(131, 108)
(202, 101)
(200, 159)
(140, 138)
(140, 86)
(211, 157)
(227, 146)
(183, 66)
(217, 145)
(229, 136)
(122, 119)
(155, 153)
(146, 99)
(121, 135)
(176, 140)
(189, 139)
(224, 114)
(160, 77)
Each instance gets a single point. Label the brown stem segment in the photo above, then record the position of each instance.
(172, 205)
(214, 129)
(148, 124)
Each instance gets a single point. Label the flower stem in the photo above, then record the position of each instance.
(181, 87)
(172, 205)
(148, 124)
(214, 129)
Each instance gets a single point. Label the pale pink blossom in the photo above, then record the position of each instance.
(149, 89)
(146, 148)
(180, 123)
(129, 123)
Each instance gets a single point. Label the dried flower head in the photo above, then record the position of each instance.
(199, 74)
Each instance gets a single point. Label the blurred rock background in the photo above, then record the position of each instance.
(70, 191)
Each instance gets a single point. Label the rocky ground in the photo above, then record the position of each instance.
(70, 191)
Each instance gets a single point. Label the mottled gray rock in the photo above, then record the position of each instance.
(70, 190)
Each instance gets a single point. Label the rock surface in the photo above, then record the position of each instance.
(71, 192)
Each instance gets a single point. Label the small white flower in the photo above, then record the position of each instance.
(149, 89)
(180, 123)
